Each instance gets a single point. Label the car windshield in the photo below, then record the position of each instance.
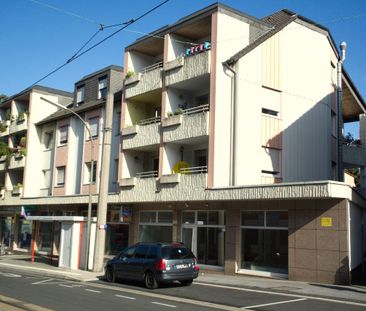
(176, 253)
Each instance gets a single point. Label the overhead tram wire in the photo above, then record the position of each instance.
(78, 54)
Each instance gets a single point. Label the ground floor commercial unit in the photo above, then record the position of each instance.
(308, 232)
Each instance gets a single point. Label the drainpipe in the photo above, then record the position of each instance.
(232, 176)
(339, 111)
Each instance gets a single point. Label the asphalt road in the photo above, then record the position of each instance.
(29, 291)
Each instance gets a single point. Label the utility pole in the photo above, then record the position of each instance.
(339, 111)
(103, 186)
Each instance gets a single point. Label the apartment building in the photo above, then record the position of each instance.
(20, 157)
(225, 138)
(229, 144)
(60, 163)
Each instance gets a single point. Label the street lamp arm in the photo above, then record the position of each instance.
(71, 111)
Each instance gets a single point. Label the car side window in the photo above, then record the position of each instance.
(153, 253)
(141, 251)
(128, 253)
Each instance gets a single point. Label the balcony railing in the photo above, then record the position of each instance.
(194, 170)
(196, 109)
(149, 121)
(152, 67)
(148, 174)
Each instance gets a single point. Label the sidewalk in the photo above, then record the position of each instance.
(353, 292)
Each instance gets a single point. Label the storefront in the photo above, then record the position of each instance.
(118, 219)
(264, 242)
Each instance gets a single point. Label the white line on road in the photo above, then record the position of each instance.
(125, 297)
(283, 294)
(41, 282)
(275, 303)
(93, 291)
(163, 304)
(11, 275)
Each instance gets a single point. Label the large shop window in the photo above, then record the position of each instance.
(156, 226)
(204, 233)
(264, 241)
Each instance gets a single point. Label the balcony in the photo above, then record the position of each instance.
(20, 124)
(193, 122)
(145, 133)
(186, 68)
(147, 80)
(17, 161)
(354, 155)
(4, 128)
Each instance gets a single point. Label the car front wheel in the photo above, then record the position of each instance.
(150, 280)
(109, 275)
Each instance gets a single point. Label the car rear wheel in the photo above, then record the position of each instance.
(186, 282)
(109, 275)
(150, 280)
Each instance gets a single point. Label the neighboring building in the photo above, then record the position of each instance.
(228, 143)
(21, 155)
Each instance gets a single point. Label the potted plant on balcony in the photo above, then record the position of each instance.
(18, 188)
(129, 74)
(5, 151)
(21, 117)
(3, 127)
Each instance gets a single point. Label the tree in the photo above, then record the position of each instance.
(3, 98)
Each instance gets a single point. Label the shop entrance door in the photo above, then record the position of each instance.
(189, 238)
(5, 234)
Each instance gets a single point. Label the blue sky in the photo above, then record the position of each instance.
(36, 39)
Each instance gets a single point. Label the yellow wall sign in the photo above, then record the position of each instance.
(326, 222)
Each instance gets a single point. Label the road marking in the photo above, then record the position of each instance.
(283, 294)
(41, 282)
(125, 297)
(163, 304)
(93, 291)
(10, 275)
(275, 303)
(165, 297)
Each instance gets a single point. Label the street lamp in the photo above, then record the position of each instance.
(87, 127)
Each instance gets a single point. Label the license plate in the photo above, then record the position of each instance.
(182, 266)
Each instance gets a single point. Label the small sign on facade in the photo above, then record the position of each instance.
(326, 222)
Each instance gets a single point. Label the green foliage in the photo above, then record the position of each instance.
(3, 98)
(4, 149)
(129, 74)
(178, 111)
(3, 127)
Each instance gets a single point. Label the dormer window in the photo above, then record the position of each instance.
(80, 92)
(102, 88)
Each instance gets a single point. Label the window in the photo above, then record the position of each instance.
(271, 161)
(88, 171)
(48, 140)
(102, 88)
(200, 157)
(80, 90)
(60, 181)
(270, 112)
(141, 251)
(264, 241)
(117, 123)
(94, 127)
(334, 124)
(156, 226)
(63, 131)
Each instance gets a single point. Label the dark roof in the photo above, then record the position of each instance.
(39, 88)
(60, 114)
(111, 67)
(209, 10)
(358, 94)
(278, 21)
